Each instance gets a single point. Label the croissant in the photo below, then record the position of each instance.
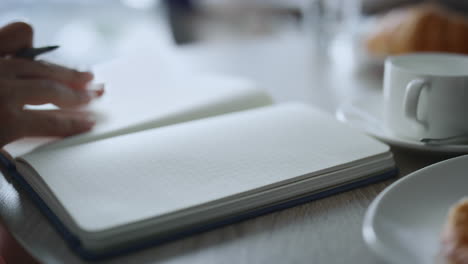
(422, 28)
(455, 234)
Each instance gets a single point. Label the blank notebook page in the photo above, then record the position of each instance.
(116, 181)
(143, 93)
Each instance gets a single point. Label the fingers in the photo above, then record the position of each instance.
(36, 92)
(25, 81)
(17, 122)
(15, 36)
(34, 123)
(21, 68)
(56, 123)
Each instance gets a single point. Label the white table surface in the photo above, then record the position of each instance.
(322, 231)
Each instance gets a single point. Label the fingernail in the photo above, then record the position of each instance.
(95, 90)
(95, 86)
(92, 94)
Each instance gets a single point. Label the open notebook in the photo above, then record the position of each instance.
(200, 153)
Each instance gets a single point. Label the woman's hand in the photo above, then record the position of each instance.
(24, 81)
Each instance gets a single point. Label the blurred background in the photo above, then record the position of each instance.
(317, 51)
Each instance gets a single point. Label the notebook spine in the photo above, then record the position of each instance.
(14, 174)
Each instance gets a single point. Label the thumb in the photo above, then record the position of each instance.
(15, 36)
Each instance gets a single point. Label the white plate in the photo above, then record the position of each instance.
(366, 115)
(403, 224)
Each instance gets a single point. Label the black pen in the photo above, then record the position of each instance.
(31, 53)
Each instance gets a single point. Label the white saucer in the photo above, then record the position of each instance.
(403, 224)
(366, 115)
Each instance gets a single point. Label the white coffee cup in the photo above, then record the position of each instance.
(426, 95)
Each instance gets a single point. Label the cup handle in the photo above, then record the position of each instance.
(411, 99)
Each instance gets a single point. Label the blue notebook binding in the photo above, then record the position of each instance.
(74, 243)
